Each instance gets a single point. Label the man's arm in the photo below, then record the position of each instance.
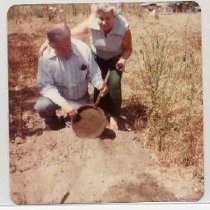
(47, 87)
(94, 75)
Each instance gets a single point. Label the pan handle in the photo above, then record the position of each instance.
(99, 95)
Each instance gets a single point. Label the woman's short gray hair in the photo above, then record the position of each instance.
(106, 7)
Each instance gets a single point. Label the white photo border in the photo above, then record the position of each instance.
(5, 199)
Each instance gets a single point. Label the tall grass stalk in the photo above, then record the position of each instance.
(172, 81)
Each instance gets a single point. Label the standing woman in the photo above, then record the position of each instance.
(111, 44)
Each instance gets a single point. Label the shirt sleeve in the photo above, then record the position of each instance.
(46, 82)
(94, 73)
(123, 23)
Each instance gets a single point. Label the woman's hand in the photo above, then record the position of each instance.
(120, 65)
(44, 46)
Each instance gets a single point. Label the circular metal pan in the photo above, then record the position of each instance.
(90, 122)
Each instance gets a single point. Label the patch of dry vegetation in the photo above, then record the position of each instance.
(167, 63)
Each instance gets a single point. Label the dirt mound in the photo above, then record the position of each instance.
(59, 167)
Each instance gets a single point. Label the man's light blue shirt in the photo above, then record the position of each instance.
(67, 79)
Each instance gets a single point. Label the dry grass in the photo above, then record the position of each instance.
(167, 63)
(162, 91)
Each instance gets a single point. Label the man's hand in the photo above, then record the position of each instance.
(72, 112)
(120, 65)
(104, 89)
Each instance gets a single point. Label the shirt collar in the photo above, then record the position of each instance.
(117, 27)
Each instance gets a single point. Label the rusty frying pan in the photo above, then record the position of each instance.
(91, 119)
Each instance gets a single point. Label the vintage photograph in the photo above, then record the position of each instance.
(105, 102)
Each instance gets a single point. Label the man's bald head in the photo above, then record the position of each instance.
(59, 37)
(58, 32)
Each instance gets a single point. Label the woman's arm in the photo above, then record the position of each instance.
(43, 47)
(127, 50)
(127, 44)
(81, 28)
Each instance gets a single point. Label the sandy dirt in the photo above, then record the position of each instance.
(59, 167)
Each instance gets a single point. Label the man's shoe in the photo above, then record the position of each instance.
(66, 120)
(56, 124)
